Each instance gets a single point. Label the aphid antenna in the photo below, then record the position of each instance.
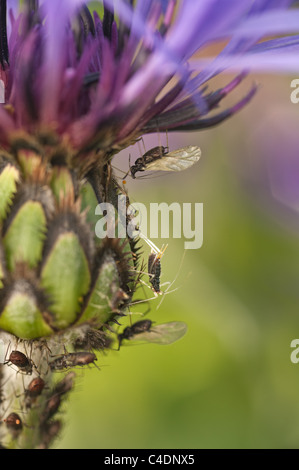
(142, 139)
(142, 152)
(151, 244)
(95, 365)
(162, 251)
(167, 143)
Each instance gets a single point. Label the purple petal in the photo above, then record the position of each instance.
(273, 44)
(261, 5)
(278, 62)
(269, 23)
(200, 22)
(57, 15)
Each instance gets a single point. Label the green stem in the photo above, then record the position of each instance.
(28, 414)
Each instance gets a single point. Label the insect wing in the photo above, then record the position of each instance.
(178, 160)
(165, 333)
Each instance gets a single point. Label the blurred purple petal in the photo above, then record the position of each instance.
(273, 44)
(57, 15)
(268, 23)
(279, 61)
(101, 82)
(200, 22)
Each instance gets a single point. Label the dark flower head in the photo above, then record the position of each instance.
(99, 80)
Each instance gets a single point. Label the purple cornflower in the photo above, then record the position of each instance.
(79, 86)
(101, 80)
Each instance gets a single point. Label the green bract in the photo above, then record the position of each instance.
(54, 271)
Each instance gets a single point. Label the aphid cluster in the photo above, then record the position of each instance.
(145, 330)
(52, 399)
(47, 400)
(48, 427)
(37, 394)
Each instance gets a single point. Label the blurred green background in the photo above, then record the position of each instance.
(229, 383)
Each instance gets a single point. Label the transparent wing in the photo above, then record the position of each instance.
(178, 160)
(165, 333)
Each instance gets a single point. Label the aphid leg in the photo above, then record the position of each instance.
(6, 352)
(18, 395)
(154, 298)
(142, 152)
(146, 285)
(129, 170)
(7, 408)
(140, 283)
(143, 144)
(32, 363)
